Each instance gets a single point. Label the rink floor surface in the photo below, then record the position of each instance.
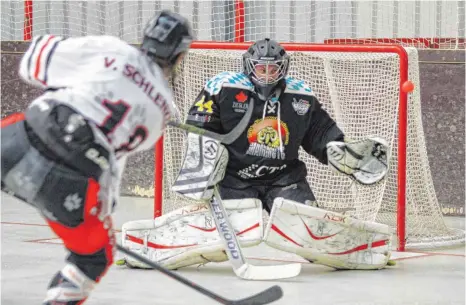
(31, 254)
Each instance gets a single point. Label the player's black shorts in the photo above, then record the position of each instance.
(297, 191)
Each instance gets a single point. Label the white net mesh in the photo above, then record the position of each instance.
(434, 24)
(359, 90)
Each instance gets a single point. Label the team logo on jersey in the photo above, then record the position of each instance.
(264, 138)
(240, 104)
(301, 107)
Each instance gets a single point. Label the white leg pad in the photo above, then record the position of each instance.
(188, 236)
(328, 238)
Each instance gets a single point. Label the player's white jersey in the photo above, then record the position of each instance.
(108, 81)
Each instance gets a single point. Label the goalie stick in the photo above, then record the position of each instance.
(241, 268)
(267, 296)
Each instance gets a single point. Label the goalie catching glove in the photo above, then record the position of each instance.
(363, 160)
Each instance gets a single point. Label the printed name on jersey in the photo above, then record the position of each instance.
(297, 86)
(39, 55)
(256, 171)
(301, 106)
(264, 138)
(147, 87)
(240, 104)
(228, 79)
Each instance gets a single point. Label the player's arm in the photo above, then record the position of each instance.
(55, 62)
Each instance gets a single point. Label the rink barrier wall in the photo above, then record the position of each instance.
(442, 76)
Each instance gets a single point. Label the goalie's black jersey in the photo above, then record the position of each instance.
(267, 150)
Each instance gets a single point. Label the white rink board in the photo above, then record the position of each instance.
(31, 255)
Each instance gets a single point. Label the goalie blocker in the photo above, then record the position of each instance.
(188, 236)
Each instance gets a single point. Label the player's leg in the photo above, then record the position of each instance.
(72, 211)
(333, 239)
(68, 199)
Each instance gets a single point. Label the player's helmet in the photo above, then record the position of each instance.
(266, 63)
(167, 36)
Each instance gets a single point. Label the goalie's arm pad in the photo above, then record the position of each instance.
(322, 130)
(366, 160)
(203, 167)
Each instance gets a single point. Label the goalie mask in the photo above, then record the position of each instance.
(167, 37)
(266, 64)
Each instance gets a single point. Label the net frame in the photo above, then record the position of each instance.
(402, 118)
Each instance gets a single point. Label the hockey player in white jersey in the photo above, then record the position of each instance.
(263, 171)
(65, 155)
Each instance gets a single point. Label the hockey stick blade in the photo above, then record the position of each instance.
(263, 273)
(265, 297)
(223, 138)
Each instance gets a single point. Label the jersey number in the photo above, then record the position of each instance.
(118, 111)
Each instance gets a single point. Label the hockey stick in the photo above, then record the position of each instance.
(224, 138)
(241, 268)
(265, 297)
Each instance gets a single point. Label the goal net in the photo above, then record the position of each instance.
(361, 91)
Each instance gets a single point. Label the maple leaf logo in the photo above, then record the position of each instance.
(241, 97)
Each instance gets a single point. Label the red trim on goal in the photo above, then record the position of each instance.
(239, 21)
(27, 31)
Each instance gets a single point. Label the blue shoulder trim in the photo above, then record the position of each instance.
(297, 86)
(228, 79)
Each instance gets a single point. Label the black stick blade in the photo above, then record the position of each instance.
(265, 297)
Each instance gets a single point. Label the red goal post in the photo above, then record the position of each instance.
(402, 116)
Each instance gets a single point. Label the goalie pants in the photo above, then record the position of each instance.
(66, 198)
(299, 191)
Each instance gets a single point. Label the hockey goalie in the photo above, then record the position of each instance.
(261, 170)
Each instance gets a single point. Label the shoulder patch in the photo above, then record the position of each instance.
(297, 86)
(228, 79)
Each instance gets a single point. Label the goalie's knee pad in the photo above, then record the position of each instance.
(327, 238)
(188, 236)
(70, 286)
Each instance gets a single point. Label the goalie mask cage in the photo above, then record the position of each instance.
(360, 87)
